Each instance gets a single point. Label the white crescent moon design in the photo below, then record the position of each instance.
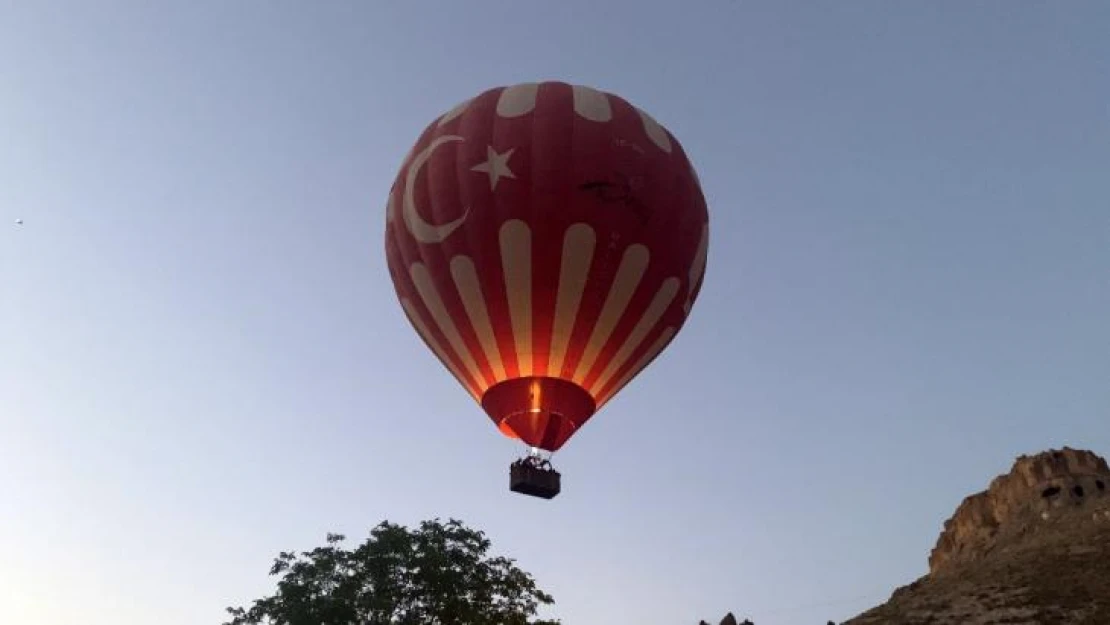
(421, 230)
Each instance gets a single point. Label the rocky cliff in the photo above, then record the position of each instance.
(1032, 549)
(1016, 503)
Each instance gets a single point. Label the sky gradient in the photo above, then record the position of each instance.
(202, 361)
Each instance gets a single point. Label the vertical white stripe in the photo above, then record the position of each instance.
(655, 132)
(391, 207)
(426, 287)
(592, 104)
(457, 110)
(578, 253)
(517, 100)
(659, 304)
(631, 270)
(516, 263)
(697, 268)
(422, 328)
(470, 291)
(648, 356)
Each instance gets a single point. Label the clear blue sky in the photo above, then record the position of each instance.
(202, 361)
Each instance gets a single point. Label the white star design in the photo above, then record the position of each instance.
(496, 165)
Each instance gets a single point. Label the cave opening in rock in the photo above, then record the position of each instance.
(1099, 484)
(1078, 491)
(1051, 491)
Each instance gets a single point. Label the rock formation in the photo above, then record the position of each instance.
(1017, 502)
(729, 619)
(1033, 548)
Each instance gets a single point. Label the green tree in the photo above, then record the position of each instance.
(439, 574)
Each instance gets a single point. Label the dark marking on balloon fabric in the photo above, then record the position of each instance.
(625, 143)
(620, 190)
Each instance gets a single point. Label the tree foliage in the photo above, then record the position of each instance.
(438, 574)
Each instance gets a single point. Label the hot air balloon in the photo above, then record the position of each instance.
(546, 241)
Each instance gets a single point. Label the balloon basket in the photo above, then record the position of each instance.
(534, 477)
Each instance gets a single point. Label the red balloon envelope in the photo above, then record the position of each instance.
(547, 241)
